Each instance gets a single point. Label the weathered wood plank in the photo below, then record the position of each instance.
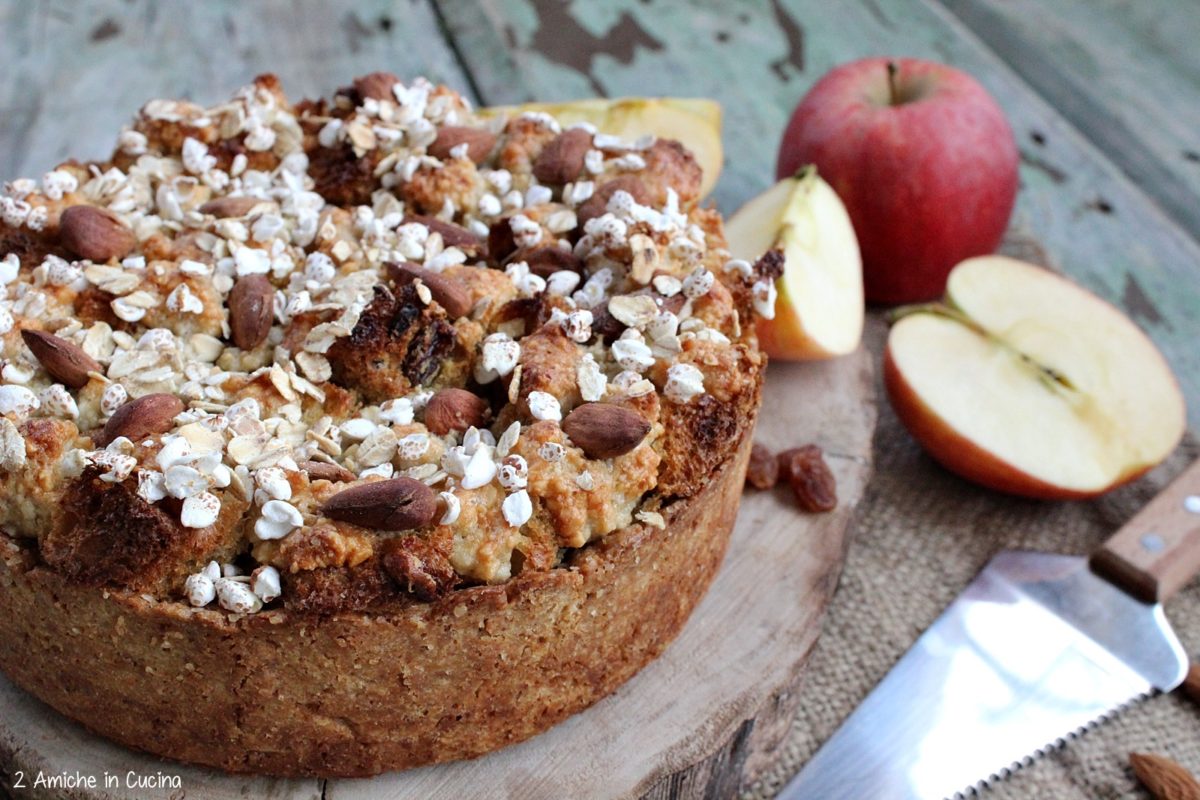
(74, 73)
(759, 58)
(1127, 74)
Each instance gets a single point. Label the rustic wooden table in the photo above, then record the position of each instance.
(1104, 95)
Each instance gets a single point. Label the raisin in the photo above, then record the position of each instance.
(763, 472)
(811, 480)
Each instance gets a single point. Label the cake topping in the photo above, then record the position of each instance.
(455, 410)
(391, 505)
(199, 511)
(94, 233)
(603, 430)
(199, 589)
(147, 415)
(236, 596)
(250, 307)
(63, 361)
(284, 332)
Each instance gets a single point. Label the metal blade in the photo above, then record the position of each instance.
(1035, 650)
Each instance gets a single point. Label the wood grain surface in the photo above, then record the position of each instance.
(698, 722)
(1126, 74)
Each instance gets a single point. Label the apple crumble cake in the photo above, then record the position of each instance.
(361, 433)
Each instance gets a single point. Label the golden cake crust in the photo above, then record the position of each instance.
(356, 694)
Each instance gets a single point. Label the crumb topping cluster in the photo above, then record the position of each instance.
(325, 353)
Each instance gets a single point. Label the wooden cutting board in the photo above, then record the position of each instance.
(700, 721)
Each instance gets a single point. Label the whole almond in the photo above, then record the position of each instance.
(452, 235)
(597, 204)
(455, 410)
(251, 309)
(95, 233)
(1164, 778)
(145, 416)
(449, 294)
(561, 160)
(479, 142)
(65, 361)
(603, 430)
(398, 504)
(231, 206)
(324, 471)
(376, 85)
(549, 259)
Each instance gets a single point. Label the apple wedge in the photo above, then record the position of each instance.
(819, 310)
(696, 123)
(1025, 382)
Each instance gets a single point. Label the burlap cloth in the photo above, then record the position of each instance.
(919, 537)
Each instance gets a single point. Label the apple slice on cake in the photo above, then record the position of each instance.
(819, 310)
(1027, 383)
(694, 122)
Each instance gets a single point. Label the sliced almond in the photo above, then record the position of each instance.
(455, 410)
(479, 142)
(146, 416)
(251, 309)
(561, 160)
(398, 504)
(634, 310)
(449, 294)
(362, 136)
(65, 361)
(603, 430)
(95, 233)
(231, 206)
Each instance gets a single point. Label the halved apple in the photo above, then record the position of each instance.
(694, 122)
(1025, 382)
(819, 311)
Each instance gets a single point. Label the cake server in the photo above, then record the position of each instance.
(1035, 650)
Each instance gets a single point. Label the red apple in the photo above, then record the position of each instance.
(922, 157)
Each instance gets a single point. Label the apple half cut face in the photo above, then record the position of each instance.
(1027, 383)
(819, 310)
(694, 122)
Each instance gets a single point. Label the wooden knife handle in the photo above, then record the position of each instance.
(1158, 551)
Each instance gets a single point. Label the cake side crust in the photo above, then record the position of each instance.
(359, 694)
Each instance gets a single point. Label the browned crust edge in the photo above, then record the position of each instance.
(360, 694)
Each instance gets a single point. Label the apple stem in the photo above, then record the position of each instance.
(893, 93)
(805, 172)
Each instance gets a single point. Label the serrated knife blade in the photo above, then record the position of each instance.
(1035, 650)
